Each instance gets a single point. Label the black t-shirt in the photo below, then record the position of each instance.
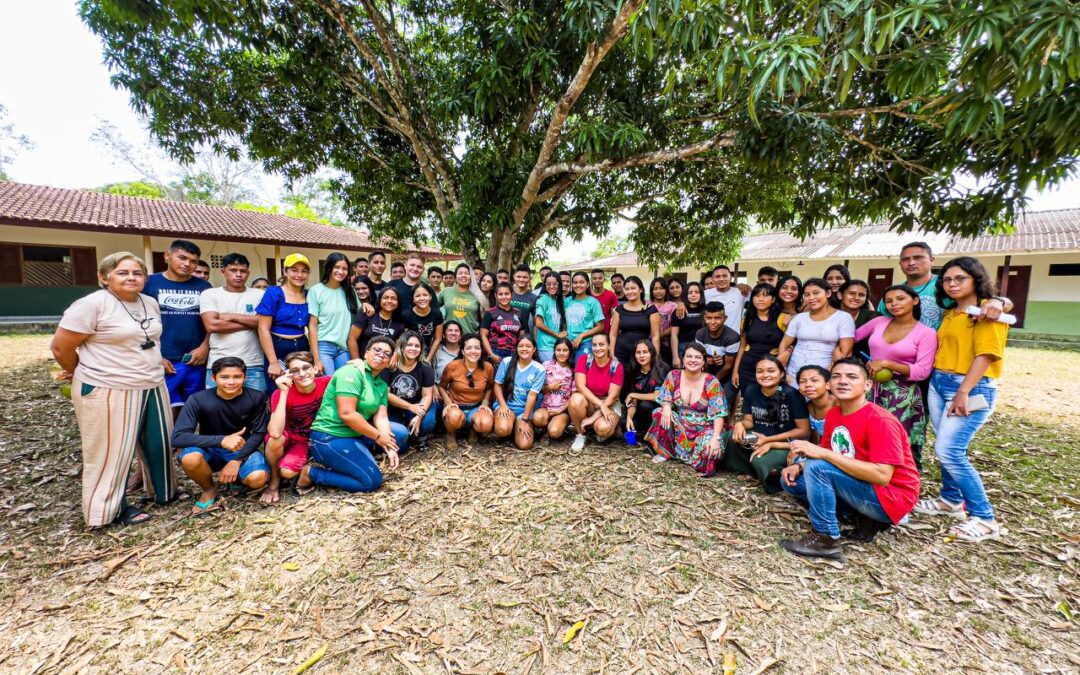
(405, 291)
(424, 325)
(647, 383)
(373, 325)
(689, 325)
(634, 325)
(207, 419)
(727, 344)
(525, 303)
(777, 413)
(409, 386)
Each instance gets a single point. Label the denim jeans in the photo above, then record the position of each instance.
(333, 356)
(254, 379)
(282, 348)
(348, 461)
(545, 355)
(427, 425)
(828, 491)
(960, 482)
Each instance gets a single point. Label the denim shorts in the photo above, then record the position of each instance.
(217, 458)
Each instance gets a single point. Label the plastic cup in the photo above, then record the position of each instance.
(631, 437)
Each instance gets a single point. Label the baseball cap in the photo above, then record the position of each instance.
(294, 258)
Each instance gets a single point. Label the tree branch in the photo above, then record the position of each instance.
(594, 54)
(722, 140)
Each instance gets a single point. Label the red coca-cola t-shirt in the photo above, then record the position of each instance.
(872, 434)
(301, 408)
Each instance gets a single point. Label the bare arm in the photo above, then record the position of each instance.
(276, 426)
(842, 350)
(64, 345)
(216, 323)
(785, 349)
(654, 331)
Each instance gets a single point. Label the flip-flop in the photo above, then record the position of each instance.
(204, 508)
(130, 515)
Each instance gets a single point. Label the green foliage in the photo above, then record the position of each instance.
(610, 246)
(818, 112)
(133, 189)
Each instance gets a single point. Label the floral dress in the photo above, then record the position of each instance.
(691, 425)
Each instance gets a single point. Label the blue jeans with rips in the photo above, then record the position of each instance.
(960, 482)
(829, 491)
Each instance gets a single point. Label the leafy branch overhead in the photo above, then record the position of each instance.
(503, 127)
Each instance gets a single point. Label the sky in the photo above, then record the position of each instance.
(57, 91)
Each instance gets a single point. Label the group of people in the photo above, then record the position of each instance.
(805, 386)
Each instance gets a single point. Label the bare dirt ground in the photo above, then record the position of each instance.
(482, 561)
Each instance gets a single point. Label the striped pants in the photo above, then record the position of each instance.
(114, 425)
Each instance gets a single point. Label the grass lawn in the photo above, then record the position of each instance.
(480, 561)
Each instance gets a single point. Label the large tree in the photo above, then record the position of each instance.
(497, 126)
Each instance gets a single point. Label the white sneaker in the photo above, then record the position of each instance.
(659, 459)
(579, 443)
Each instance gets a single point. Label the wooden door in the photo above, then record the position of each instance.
(11, 268)
(84, 266)
(880, 279)
(1016, 289)
(158, 263)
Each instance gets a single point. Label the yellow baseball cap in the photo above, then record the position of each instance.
(294, 258)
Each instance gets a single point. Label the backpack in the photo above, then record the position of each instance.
(611, 367)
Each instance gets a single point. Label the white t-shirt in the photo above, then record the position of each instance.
(242, 344)
(816, 340)
(733, 301)
(113, 357)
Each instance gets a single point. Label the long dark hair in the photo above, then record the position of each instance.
(389, 289)
(686, 295)
(569, 345)
(985, 288)
(916, 309)
(634, 279)
(868, 304)
(834, 299)
(346, 286)
(657, 368)
(820, 282)
(490, 295)
(798, 294)
(560, 305)
(663, 282)
(511, 368)
(751, 314)
(584, 276)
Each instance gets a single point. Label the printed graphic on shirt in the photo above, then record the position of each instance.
(405, 387)
(179, 301)
(841, 441)
(575, 313)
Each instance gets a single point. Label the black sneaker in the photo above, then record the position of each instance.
(865, 529)
(815, 545)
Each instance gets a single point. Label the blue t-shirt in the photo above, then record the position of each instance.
(181, 325)
(289, 319)
(530, 378)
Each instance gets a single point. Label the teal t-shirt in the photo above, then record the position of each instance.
(931, 313)
(461, 307)
(529, 378)
(545, 308)
(334, 318)
(350, 380)
(582, 315)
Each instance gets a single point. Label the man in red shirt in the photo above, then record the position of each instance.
(606, 297)
(866, 469)
(293, 407)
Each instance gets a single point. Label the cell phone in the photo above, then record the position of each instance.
(186, 358)
(977, 402)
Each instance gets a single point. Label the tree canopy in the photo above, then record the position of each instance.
(500, 127)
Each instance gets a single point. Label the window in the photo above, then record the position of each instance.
(51, 266)
(1065, 270)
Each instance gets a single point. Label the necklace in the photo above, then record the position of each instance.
(144, 322)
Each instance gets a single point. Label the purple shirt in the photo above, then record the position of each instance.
(917, 349)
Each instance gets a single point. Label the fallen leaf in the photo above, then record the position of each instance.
(718, 634)
(837, 607)
(689, 597)
(1063, 608)
(572, 632)
(291, 566)
(311, 661)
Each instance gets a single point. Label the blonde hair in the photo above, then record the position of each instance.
(113, 260)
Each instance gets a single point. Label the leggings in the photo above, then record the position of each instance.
(347, 461)
(115, 425)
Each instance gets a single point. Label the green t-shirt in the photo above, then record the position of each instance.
(581, 316)
(334, 318)
(461, 307)
(350, 380)
(546, 308)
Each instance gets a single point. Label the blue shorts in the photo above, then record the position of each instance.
(187, 380)
(217, 458)
(518, 411)
(470, 412)
(254, 379)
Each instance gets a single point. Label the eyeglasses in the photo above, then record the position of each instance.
(302, 369)
(957, 280)
(381, 353)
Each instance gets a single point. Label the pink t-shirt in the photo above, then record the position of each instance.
(916, 349)
(561, 377)
(599, 378)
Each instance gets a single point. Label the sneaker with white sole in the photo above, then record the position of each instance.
(940, 507)
(659, 459)
(579, 443)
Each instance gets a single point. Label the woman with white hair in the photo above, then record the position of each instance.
(108, 345)
(464, 302)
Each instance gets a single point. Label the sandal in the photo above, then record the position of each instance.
(130, 515)
(976, 530)
(304, 490)
(201, 509)
(940, 507)
(658, 459)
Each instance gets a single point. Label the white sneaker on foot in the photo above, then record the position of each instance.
(579, 443)
(659, 459)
